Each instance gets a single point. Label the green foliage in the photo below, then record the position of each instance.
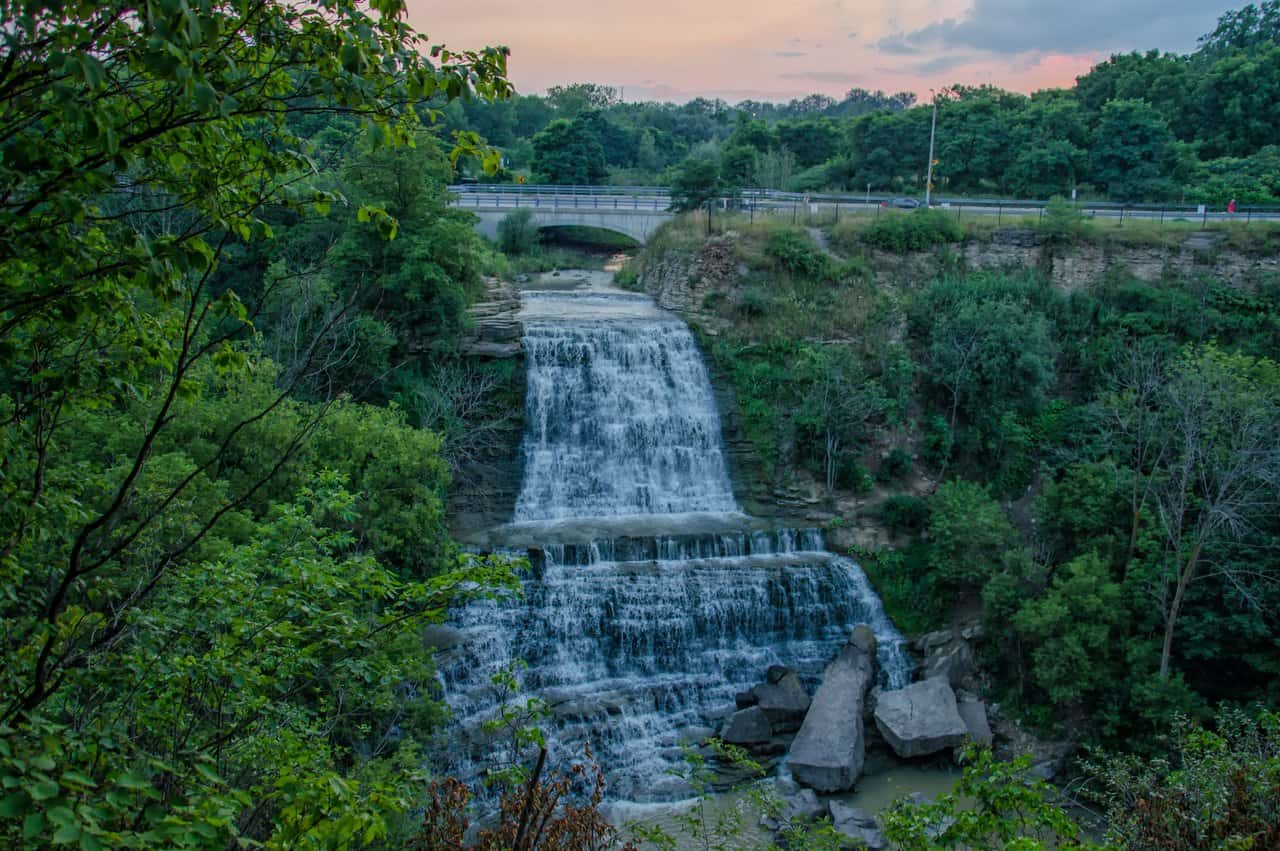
(795, 253)
(914, 231)
(1063, 223)
(210, 593)
(995, 805)
(1074, 628)
(907, 587)
(904, 513)
(969, 535)
(517, 234)
(1217, 788)
(895, 465)
(568, 152)
(695, 184)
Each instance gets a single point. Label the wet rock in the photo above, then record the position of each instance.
(748, 727)
(784, 701)
(920, 719)
(745, 699)
(857, 825)
(776, 673)
(829, 750)
(803, 806)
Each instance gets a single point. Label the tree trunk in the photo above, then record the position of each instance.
(1175, 608)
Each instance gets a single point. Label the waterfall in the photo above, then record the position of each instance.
(621, 421)
(651, 599)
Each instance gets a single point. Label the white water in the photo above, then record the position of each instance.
(652, 599)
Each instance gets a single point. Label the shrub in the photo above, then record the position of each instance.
(1064, 224)
(752, 302)
(628, 278)
(794, 252)
(895, 465)
(904, 513)
(517, 233)
(914, 231)
(853, 476)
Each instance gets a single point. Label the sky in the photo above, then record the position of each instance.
(776, 50)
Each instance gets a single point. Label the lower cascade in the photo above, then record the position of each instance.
(650, 601)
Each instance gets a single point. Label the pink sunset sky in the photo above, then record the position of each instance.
(771, 50)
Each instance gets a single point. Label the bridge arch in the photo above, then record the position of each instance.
(638, 225)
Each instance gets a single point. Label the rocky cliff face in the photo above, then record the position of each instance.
(484, 494)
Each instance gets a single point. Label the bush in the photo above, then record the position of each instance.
(914, 231)
(1063, 223)
(904, 513)
(628, 278)
(752, 302)
(895, 465)
(517, 233)
(794, 252)
(851, 475)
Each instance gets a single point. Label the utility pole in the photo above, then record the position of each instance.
(933, 131)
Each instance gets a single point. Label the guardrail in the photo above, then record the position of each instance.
(657, 198)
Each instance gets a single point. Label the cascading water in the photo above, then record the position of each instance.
(651, 601)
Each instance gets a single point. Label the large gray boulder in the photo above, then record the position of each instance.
(920, 719)
(785, 701)
(828, 752)
(748, 726)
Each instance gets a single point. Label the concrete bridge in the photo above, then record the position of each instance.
(634, 212)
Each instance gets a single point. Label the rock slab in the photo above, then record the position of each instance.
(748, 726)
(784, 700)
(829, 750)
(920, 719)
(974, 714)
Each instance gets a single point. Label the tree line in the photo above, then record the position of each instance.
(1155, 126)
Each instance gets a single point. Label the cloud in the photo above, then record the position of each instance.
(1095, 26)
(822, 76)
(789, 54)
(941, 64)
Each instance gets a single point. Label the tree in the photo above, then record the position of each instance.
(695, 184)
(1074, 630)
(969, 535)
(572, 100)
(1222, 470)
(566, 152)
(517, 233)
(148, 146)
(1133, 153)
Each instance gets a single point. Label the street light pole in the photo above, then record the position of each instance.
(933, 130)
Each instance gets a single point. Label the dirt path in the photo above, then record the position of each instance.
(819, 237)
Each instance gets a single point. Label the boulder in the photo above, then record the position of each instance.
(974, 714)
(803, 805)
(748, 726)
(784, 700)
(920, 719)
(745, 699)
(953, 660)
(776, 673)
(857, 825)
(829, 750)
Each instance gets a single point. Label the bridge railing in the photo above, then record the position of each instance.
(652, 198)
(658, 198)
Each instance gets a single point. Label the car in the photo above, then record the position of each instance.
(901, 203)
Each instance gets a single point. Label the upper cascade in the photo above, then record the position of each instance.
(620, 419)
